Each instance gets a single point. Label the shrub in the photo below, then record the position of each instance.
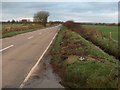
(69, 24)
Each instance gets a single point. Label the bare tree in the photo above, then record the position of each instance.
(13, 21)
(41, 17)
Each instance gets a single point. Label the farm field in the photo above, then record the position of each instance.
(106, 30)
(11, 29)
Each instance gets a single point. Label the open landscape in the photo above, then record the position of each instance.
(11, 29)
(53, 46)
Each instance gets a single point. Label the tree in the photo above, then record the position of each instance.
(41, 17)
(13, 21)
(8, 21)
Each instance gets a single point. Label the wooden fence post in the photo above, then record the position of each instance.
(110, 36)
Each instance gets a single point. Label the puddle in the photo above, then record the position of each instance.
(44, 76)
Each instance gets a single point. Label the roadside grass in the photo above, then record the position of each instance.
(106, 30)
(85, 65)
(10, 34)
(56, 49)
(11, 29)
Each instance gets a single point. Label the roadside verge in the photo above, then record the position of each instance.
(81, 64)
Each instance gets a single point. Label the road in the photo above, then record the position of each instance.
(20, 53)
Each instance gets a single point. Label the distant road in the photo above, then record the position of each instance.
(21, 52)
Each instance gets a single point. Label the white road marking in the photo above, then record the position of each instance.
(30, 37)
(6, 48)
(33, 68)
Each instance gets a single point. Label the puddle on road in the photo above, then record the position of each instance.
(44, 76)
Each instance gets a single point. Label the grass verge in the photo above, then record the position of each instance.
(12, 29)
(81, 64)
(10, 34)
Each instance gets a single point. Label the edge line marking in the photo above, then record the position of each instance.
(40, 58)
(6, 48)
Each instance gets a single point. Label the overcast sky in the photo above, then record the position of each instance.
(63, 11)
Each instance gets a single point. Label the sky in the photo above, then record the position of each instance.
(60, 0)
(104, 12)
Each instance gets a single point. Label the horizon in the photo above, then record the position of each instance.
(97, 12)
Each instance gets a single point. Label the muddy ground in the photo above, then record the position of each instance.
(44, 76)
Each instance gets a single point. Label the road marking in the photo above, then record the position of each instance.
(33, 68)
(30, 37)
(6, 48)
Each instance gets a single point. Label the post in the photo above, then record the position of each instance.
(110, 36)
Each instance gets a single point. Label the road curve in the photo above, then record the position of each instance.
(21, 52)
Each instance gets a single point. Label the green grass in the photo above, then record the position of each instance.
(10, 34)
(56, 48)
(91, 74)
(97, 70)
(105, 29)
(110, 46)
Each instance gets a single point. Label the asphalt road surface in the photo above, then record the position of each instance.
(21, 52)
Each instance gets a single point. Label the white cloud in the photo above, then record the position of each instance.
(83, 12)
(60, 1)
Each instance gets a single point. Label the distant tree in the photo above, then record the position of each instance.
(13, 21)
(8, 21)
(41, 17)
(17, 21)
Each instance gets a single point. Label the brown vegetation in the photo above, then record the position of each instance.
(96, 37)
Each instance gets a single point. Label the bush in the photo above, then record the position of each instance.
(69, 24)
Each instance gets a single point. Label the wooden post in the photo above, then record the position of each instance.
(110, 36)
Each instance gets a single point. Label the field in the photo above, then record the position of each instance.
(105, 29)
(84, 64)
(11, 29)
